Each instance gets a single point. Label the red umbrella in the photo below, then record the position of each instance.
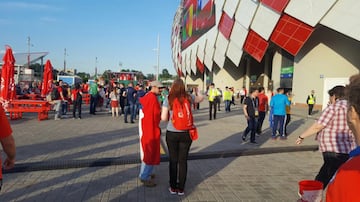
(48, 79)
(7, 77)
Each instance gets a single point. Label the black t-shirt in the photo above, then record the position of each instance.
(252, 105)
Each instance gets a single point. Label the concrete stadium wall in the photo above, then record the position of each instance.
(327, 54)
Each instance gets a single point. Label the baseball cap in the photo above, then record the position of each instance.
(157, 84)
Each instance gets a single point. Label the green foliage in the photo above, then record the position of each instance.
(84, 76)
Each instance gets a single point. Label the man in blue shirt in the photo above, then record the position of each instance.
(278, 105)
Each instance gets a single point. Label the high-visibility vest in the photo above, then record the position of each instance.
(212, 94)
(311, 100)
(227, 95)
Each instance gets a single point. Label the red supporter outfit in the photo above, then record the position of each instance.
(149, 129)
(5, 131)
(344, 185)
(74, 93)
(263, 101)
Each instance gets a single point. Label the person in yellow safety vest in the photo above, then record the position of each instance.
(212, 93)
(311, 100)
(227, 99)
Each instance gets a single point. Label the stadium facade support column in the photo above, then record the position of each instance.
(247, 73)
(204, 82)
(266, 72)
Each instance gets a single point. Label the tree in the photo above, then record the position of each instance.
(150, 76)
(84, 76)
(107, 75)
(165, 75)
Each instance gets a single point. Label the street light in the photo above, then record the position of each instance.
(28, 56)
(96, 67)
(158, 57)
(65, 59)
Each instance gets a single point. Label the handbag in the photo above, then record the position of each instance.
(193, 133)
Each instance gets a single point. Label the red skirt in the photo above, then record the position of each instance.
(114, 103)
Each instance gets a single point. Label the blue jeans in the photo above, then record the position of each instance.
(278, 125)
(251, 128)
(93, 103)
(227, 105)
(64, 106)
(130, 109)
(145, 171)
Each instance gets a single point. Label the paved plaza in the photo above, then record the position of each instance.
(97, 159)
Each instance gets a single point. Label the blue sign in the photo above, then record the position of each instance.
(286, 76)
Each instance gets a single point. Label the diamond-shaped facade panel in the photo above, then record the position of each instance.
(291, 34)
(218, 9)
(342, 18)
(225, 25)
(265, 21)
(193, 59)
(230, 7)
(200, 65)
(310, 11)
(238, 34)
(234, 53)
(220, 49)
(219, 58)
(245, 12)
(201, 50)
(278, 5)
(255, 45)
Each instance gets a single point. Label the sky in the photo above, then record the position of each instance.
(109, 34)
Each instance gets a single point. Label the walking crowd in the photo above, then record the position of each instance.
(337, 130)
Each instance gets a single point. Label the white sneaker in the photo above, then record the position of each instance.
(172, 191)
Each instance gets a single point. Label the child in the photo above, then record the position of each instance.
(114, 97)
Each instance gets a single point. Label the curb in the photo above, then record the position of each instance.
(67, 164)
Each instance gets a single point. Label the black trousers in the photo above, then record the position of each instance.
(93, 103)
(212, 106)
(311, 107)
(332, 161)
(287, 121)
(77, 105)
(260, 122)
(178, 144)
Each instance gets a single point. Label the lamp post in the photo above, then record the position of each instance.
(64, 60)
(158, 57)
(95, 67)
(28, 56)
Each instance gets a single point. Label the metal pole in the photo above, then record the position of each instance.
(95, 67)
(64, 60)
(158, 57)
(28, 56)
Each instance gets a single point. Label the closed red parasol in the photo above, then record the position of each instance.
(7, 77)
(48, 79)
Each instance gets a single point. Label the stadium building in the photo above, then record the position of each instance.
(295, 44)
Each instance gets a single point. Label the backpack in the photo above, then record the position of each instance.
(182, 117)
(55, 95)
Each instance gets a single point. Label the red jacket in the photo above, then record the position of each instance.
(345, 184)
(150, 130)
(5, 130)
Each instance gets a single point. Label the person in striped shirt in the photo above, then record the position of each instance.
(333, 134)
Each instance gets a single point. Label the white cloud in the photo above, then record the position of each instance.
(26, 5)
(48, 19)
(5, 21)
